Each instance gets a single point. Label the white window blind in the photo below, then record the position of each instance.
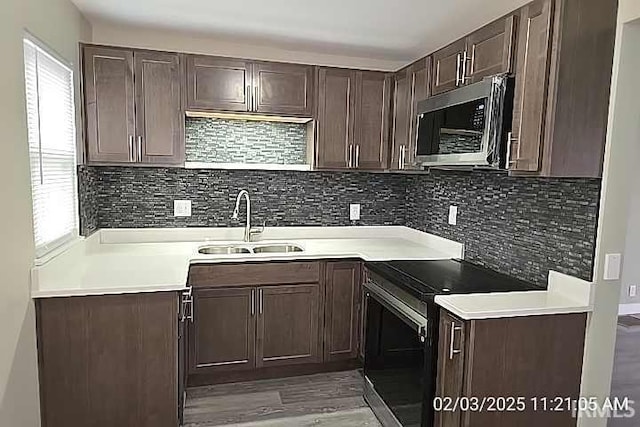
(52, 148)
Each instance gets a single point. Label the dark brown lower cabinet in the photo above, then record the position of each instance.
(223, 330)
(532, 358)
(289, 319)
(342, 310)
(109, 360)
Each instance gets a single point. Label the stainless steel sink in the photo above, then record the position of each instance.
(223, 250)
(277, 249)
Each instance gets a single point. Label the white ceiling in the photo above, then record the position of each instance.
(385, 29)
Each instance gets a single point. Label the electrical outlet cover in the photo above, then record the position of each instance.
(182, 208)
(633, 290)
(453, 215)
(612, 265)
(354, 212)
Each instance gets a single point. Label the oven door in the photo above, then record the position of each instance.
(397, 364)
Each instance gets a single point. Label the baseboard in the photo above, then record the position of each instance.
(624, 309)
(196, 380)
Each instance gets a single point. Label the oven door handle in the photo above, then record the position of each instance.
(397, 307)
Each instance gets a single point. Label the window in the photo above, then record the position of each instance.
(52, 148)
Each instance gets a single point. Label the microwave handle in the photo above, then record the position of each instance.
(458, 65)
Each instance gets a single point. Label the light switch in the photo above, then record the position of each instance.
(354, 212)
(453, 215)
(633, 291)
(612, 264)
(182, 208)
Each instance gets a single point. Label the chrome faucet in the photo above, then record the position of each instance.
(248, 231)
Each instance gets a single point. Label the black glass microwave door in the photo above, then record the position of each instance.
(453, 130)
(394, 362)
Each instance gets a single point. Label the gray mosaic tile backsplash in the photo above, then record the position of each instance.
(214, 140)
(519, 226)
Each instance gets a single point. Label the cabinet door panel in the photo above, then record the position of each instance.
(372, 120)
(109, 104)
(222, 334)
(288, 325)
(421, 90)
(218, 84)
(532, 81)
(342, 306)
(158, 111)
(285, 89)
(490, 50)
(335, 118)
(401, 117)
(451, 365)
(447, 67)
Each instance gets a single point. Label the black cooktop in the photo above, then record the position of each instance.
(425, 279)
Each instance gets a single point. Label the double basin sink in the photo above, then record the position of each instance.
(245, 249)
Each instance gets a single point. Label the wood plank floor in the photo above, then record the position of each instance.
(626, 372)
(331, 399)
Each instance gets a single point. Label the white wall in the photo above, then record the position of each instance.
(148, 38)
(60, 25)
(631, 267)
(621, 154)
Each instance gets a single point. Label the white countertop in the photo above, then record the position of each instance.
(117, 261)
(153, 260)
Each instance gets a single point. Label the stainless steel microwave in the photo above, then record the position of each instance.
(467, 127)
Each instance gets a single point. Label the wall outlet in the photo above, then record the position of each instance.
(453, 215)
(633, 290)
(182, 208)
(354, 212)
(612, 264)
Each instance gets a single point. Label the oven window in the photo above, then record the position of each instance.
(453, 130)
(394, 363)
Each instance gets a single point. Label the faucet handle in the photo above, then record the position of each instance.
(258, 230)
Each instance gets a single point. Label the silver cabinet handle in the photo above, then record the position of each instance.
(404, 157)
(255, 98)
(249, 98)
(350, 160)
(510, 141)
(260, 298)
(131, 159)
(452, 350)
(139, 148)
(253, 302)
(357, 155)
(187, 305)
(458, 60)
(465, 59)
(400, 157)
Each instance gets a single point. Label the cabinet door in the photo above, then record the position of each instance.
(489, 50)
(447, 63)
(372, 120)
(532, 82)
(108, 360)
(451, 365)
(401, 118)
(334, 142)
(159, 120)
(222, 336)
(342, 306)
(109, 104)
(285, 89)
(218, 84)
(421, 76)
(288, 325)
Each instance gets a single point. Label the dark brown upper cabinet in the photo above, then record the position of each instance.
(109, 104)
(411, 86)
(528, 357)
(563, 77)
(214, 83)
(353, 119)
(342, 310)
(447, 67)
(285, 89)
(159, 121)
(234, 85)
(132, 107)
(486, 52)
(336, 106)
